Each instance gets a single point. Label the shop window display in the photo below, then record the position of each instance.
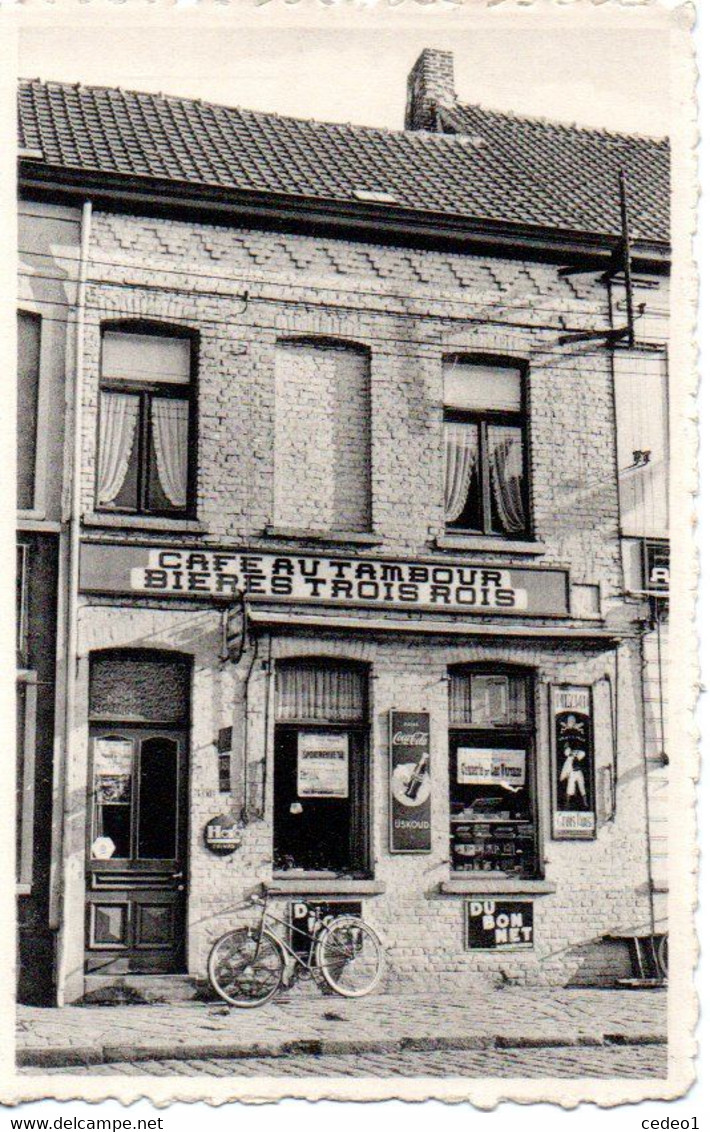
(491, 760)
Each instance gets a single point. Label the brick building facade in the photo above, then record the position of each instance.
(338, 478)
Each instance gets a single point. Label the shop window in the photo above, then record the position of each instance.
(322, 436)
(26, 701)
(491, 772)
(321, 757)
(485, 449)
(29, 327)
(146, 422)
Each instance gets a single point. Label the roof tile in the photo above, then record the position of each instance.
(484, 165)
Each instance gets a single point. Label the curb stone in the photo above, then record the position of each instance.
(60, 1056)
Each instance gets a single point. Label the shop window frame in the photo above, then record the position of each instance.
(530, 732)
(362, 729)
(38, 471)
(23, 551)
(146, 392)
(481, 419)
(25, 816)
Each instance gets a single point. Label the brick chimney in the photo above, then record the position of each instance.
(430, 83)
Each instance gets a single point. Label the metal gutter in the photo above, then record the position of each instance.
(73, 595)
(177, 198)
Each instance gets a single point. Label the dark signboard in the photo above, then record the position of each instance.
(223, 834)
(465, 587)
(499, 925)
(574, 812)
(410, 782)
(311, 916)
(657, 566)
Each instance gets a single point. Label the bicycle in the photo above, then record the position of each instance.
(247, 966)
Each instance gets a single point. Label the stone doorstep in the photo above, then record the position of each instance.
(153, 989)
(97, 1055)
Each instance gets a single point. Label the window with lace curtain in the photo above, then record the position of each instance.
(485, 482)
(146, 421)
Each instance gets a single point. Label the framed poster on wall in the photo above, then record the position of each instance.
(410, 782)
(492, 924)
(573, 771)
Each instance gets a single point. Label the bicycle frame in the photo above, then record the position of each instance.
(308, 964)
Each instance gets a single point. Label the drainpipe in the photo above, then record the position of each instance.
(73, 588)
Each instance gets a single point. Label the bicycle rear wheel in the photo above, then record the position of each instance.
(350, 956)
(242, 970)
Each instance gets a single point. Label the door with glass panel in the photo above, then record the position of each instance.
(136, 851)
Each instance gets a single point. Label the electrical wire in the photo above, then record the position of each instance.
(337, 286)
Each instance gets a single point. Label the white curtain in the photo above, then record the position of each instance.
(461, 459)
(170, 421)
(119, 416)
(317, 692)
(506, 464)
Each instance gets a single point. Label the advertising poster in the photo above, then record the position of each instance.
(499, 925)
(482, 766)
(573, 798)
(311, 916)
(410, 782)
(113, 766)
(322, 765)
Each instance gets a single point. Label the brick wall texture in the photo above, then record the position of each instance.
(275, 416)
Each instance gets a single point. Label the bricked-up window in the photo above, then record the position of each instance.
(321, 747)
(28, 346)
(322, 437)
(146, 444)
(485, 449)
(491, 761)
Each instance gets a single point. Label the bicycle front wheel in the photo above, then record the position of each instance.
(244, 971)
(350, 956)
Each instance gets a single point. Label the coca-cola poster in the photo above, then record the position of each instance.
(410, 782)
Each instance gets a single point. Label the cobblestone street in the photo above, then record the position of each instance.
(495, 1026)
(619, 1061)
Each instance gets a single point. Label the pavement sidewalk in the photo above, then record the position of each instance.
(509, 1018)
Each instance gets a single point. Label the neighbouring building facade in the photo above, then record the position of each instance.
(355, 619)
(48, 248)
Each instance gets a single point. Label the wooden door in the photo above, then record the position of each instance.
(136, 853)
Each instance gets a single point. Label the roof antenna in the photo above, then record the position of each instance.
(620, 264)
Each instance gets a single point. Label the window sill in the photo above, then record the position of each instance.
(29, 521)
(489, 545)
(23, 889)
(143, 523)
(323, 886)
(357, 538)
(489, 885)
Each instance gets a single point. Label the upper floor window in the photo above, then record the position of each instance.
(28, 346)
(485, 480)
(146, 421)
